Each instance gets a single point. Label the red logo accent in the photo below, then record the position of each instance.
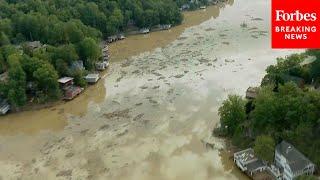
(295, 24)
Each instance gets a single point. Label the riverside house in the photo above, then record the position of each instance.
(291, 162)
(69, 89)
(248, 163)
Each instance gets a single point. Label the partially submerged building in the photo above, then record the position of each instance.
(69, 89)
(291, 162)
(165, 26)
(144, 31)
(112, 39)
(248, 163)
(4, 106)
(92, 78)
(102, 65)
(252, 93)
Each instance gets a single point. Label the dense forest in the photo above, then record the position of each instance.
(287, 107)
(69, 30)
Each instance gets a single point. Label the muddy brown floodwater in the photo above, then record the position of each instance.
(152, 114)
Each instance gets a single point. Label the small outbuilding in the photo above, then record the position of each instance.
(165, 26)
(144, 31)
(121, 37)
(102, 65)
(243, 158)
(252, 93)
(69, 89)
(65, 82)
(112, 39)
(248, 163)
(4, 106)
(71, 92)
(34, 44)
(92, 78)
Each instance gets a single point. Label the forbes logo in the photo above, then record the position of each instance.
(281, 15)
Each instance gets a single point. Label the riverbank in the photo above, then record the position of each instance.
(54, 117)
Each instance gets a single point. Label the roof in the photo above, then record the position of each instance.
(245, 156)
(89, 76)
(252, 92)
(65, 80)
(34, 44)
(295, 159)
(253, 166)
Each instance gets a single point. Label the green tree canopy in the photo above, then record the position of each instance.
(232, 113)
(264, 147)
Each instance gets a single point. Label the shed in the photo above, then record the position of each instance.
(102, 65)
(144, 31)
(165, 26)
(34, 44)
(243, 158)
(256, 166)
(112, 39)
(252, 92)
(92, 78)
(4, 106)
(65, 81)
(121, 37)
(71, 92)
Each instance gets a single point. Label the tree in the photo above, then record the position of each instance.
(232, 113)
(4, 40)
(47, 80)
(89, 51)
(17, 82)
(264, 147)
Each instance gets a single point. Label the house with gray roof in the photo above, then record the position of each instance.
(291, 162)
(247, 162)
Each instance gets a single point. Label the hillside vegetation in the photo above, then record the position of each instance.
(70, 30)
(284, 109)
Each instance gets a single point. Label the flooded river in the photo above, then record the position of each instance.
(152, 115)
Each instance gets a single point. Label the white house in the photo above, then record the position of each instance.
(291, 162)
(247, 162)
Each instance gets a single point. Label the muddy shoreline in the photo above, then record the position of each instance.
(57, 113)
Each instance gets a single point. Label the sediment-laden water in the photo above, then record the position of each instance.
(153, 114)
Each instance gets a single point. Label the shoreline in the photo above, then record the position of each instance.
(57, 113)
